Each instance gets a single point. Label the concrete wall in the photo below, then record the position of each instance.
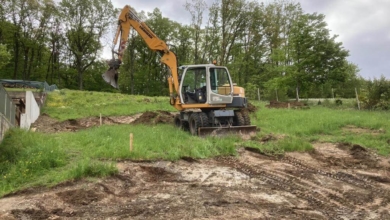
(32, 111)
(5, 125)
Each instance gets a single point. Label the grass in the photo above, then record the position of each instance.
(71, 104)
(35, 159)
(323, 124)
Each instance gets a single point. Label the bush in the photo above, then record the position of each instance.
(338, 102)
(377, 95)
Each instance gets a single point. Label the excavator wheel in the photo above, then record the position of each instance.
(238, 119)
(178, 122)
(183, 125)
(204, 120)
(194, 122)
(247, 119)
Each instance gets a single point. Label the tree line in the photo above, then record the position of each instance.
(273, 46)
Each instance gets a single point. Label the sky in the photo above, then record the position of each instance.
(363, 26)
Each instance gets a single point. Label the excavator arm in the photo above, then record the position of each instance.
(128, 19)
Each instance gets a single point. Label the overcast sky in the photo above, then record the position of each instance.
(363, 26)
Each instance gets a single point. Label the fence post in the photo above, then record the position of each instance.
(258, 93)
(357, 98)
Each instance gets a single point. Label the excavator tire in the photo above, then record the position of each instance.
(194, 122)
(247, 119)
(203, 119)
(183, 125)
(178, 122)
(238, 119)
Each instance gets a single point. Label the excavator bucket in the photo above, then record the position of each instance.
(111, 77)
(217, 131)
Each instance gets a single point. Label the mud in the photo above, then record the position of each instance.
(358, 130)
(251, 108)
(334, 181)
(157, 117)
(293, 105)
(47, 124)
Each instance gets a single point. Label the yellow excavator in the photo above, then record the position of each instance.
(208, 101)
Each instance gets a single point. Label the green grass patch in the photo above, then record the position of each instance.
(25, 157)
(324, 125)
(71, 104)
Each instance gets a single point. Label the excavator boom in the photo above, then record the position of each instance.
(128, 19)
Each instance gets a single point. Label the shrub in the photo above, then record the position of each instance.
(338, 102)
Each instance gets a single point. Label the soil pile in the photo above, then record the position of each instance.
(157, 117)
(294, 105)
(47, 124)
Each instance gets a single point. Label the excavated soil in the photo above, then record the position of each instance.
(49, 125)
(293, 104)
(333, 181)
(340, 181)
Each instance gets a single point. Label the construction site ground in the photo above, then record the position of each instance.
(333, 181)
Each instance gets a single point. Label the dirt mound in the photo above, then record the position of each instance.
(80, 196)
(30, 214)
(359, 130)
(293, 105)
(50, 125)
(157, 117)
(251, 108)
(350, 156)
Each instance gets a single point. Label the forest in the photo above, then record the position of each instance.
(273, 47)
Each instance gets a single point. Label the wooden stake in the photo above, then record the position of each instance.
(357, 99)
(131, 142)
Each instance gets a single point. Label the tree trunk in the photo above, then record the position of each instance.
(25, 64)
(30, 64)
(16, 58)
(80, 73)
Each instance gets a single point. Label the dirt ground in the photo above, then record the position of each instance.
(334, 181)
(47, 124)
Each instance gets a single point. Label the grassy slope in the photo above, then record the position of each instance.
(30, 159)
(70, 104)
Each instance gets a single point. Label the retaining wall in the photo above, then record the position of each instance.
(5, 125)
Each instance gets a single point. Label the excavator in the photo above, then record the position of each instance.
(204, 94)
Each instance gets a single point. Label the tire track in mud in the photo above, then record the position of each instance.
(332, 202)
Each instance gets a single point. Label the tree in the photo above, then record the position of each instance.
(315, 56)
(4, 56)
(85, 21)
(196, 9)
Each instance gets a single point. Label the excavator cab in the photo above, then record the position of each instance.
(206, 83)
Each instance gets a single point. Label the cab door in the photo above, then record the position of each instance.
(220, 89)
